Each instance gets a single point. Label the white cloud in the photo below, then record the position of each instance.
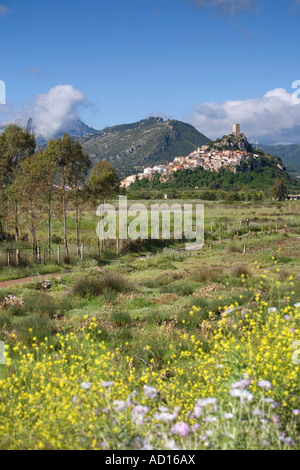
(274, 118)
(225, 7)
(3, 10)
(56, 109)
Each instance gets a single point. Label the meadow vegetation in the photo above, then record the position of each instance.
(160, 348)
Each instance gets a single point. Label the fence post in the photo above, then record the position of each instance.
(17, 257)
(8, 258)
(118, 247)
(82, 251)
(58, 254)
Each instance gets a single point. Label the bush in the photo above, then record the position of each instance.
(180, 288)
(201, 274)
(56, 239)
(239, 270)
(98, 284)
(234, 249)
(120, 318)
(5, 320)
(40, 303)
(34, 326)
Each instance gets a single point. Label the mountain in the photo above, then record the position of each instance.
(75, 128)
(132, 147)
(290, 155)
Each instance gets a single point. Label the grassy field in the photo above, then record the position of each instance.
(160, 349)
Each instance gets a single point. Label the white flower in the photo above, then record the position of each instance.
(171, 445)
(107, 384)
(203, 402)
(138, 414)
(165, 417)
(242, 384)
(272, 310)
(210, 419)
(297, 305)
(243, 395)
(198, 411)
(140, 410)
(119, 405)
(264, 384)
(228, 415)
(86, 385)
(150, 392)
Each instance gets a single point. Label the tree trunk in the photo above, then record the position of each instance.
(49, 227)
(2, 236)
(65, 220)
(16, 223)
(77, 223)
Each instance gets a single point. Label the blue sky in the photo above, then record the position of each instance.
(133, 58)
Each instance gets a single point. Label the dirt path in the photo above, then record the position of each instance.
(27, 280)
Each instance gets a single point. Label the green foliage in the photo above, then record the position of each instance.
(120, 318)
(103, 182)
(98, 284)
(280, 190)
(259, 175)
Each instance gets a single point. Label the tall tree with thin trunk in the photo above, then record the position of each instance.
(28, 185)
(16, 144)
(103, 182)
(48, 164)
(73, 166)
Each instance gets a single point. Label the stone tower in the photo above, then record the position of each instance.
(236, 129)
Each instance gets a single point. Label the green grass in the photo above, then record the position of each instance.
(148, 309)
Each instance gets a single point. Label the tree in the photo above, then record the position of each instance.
(16, 144)
(28, 186)
(48, 167)
(103, 182)
(73, 166)
(280, 191)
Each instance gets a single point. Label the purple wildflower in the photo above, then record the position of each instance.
(181, 429)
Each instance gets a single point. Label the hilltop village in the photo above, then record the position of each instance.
(227, 153)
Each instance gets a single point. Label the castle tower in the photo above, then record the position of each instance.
(236, 129)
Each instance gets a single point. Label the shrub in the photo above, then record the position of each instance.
(239, 270)
(56, 239)
(14, 305)
(98, 284)
(116, 282)
(234, 249)
(40, 303)
(34, 326)
(201, 274)
(5, 320)
(120, 318)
